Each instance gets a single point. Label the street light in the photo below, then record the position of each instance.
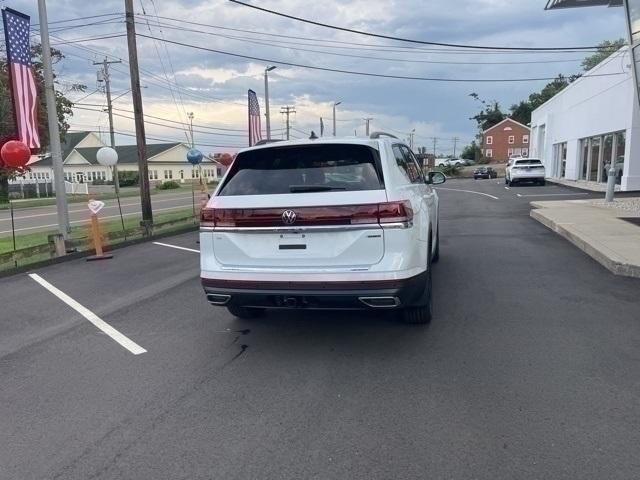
(335, 104)
(266, 98)
(108, 157)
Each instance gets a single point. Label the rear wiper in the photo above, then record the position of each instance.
(313, 188)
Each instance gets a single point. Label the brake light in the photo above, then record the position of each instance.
(383, 213)
(395, 212)
(207, 217)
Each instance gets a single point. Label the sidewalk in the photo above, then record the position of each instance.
(598, 229)
(582, 184)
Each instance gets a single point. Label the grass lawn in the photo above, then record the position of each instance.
(131, 224)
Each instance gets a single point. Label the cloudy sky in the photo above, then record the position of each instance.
(179, 79)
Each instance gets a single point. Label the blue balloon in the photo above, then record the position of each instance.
(194, 156)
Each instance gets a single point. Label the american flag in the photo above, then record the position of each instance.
(23, 85)
(255, 134)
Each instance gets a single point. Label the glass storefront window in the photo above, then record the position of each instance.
(584, 157)
(619, 155)
(607, 153)
(595, 157)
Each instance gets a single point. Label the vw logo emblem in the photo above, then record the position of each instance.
(289, 217)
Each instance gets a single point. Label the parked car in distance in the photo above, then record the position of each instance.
(447, 162)
(484, 172)
(326, 224)
(520, 170)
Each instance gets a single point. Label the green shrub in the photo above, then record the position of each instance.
(98, 181)
(169, 185)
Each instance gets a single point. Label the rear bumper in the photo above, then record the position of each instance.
(348, 295)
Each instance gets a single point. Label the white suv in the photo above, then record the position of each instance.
(524, 170)
(322, 224)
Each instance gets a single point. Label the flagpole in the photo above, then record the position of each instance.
(52, 117)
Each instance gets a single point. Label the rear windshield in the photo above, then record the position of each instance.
(528, 162)
(305, 168)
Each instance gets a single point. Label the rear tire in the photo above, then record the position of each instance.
(246, 312)
(422, 314)
(542, 183)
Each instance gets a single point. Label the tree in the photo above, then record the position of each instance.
(605, 50)
(471, 151)
(489, 115)
(63, 106)
(521, 112)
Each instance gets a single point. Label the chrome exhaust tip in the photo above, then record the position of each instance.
(380, 302)
(217, 299)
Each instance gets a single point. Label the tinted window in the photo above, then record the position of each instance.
(415, 172)
(528, 162)
(407, 166)
(308, 168)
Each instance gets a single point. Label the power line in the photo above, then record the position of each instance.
(367, 74)
(368, 57)
(406, 40)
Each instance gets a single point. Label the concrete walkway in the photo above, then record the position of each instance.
(583, 184)
(598, 230)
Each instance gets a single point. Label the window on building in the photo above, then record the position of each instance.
(168, 174)
(525, 138)
(219, 171)
(488, 153)
(489, 140)
(525, 152)
(510, 152)
(512, 139)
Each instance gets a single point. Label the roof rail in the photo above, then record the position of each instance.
(265, 141)
(381, 134)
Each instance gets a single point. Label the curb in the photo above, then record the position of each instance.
(614, 266)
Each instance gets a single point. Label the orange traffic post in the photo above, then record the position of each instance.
(95, 206)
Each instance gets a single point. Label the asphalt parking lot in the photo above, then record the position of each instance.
(530, 369)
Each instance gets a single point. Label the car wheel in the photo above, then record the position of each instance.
(543, 182)
(421, 314)
(246, 312)
(506, 182)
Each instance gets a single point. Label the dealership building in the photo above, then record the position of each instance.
(592, 122)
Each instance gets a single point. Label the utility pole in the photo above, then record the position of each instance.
(435, 143)
(107, 88)
(52, 118)
(367, 122)
(266, 99)
(143, 170)
(288, 111)
(412, 134)
(335, 104)
(455, 144)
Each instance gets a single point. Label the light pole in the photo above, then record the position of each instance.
(190, 117)
(266, 98)
(335, 104)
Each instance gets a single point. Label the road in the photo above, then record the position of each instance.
(529, 370)
(29, 220)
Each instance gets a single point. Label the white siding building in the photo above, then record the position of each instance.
(166, 161)
(593, 121)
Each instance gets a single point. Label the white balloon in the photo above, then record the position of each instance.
(107, 156)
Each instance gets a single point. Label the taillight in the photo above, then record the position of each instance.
(383, 213)
(395, 212)
(207, 217)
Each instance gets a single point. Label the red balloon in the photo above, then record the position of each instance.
(226, 159)
(15, 154)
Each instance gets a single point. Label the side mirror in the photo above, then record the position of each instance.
(436, 178)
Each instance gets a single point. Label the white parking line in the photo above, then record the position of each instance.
(507, 188)
(468, 191)
(551, 194)
(127, 343)
(177, 247)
